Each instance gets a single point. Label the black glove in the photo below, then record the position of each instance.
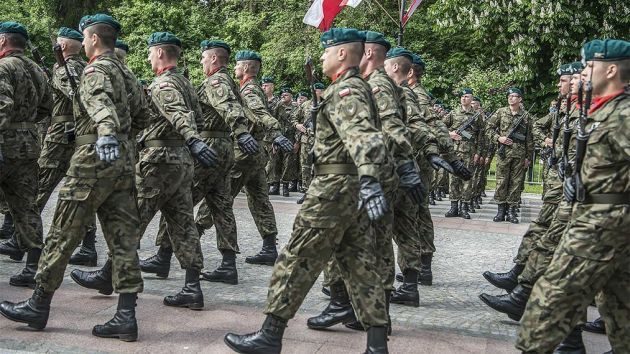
(372, 197)
(283, 143)
(460, 170)
(411, 182)
(108, 148)
(437, 162)
(204, 154)
(247, 144)
(569, 190)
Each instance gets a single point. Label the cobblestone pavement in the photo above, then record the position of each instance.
(450, 319)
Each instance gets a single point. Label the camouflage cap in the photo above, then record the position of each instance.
(377, 38)
(417, 60)
(319, 86)
(91, 20)
(120, 44)
(605, 50)
(65, 32)
(399, 52)
(163, 38)
(215, 43)
(337, 36)
(465, 91)
(248, 55)
(267, 80)
(514, 90)
(13, 27)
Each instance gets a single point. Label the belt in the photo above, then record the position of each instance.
(335, 169)
(214, 134)
(607, 198)
(163, 143)
(91, 139)
(62, 119)
(20, 126)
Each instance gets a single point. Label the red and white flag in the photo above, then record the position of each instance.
(322, 12)
(412, 7)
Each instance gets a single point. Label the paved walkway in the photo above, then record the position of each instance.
(450, 319)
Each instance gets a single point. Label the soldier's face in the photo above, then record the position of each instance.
(205, 61)
(268, 88)
(601, 74)
(466, 99)
(575, 83)
(389, 68)
(475, 105)
(514, 99)
(153, 57)
(286, 98)
(330, 61)
(301, 100)
(239, 70)
(564, 84)
(318, 92)
(88, 43)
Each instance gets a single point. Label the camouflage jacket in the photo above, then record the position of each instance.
(422, 140)
(62, 98)
(501, 125)
(423, 95)
(437, 126)
(177, 117)
(221, 104)
(456, 119)
(272, 103)
(302, 115)
(573, 125)
(25, 99)
(392, 115)
(283, 115)
(104, 106)
(261, 122)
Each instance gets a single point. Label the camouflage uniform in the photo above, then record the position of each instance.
(283, 166)
(272, 107)
(594, 253)
(302, 115)
(25, 99)
(94, 186)
(328, 223)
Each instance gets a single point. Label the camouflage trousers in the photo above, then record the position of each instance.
(167, 188)
(282, 166)
(212, 187)
(460, 190)
(425, 230)
(306, 163)
(329, 225)
(442, 180)
(476, 181)
(405, 233)
(510, 179)
(112, 199)
(593, 256)
(18, 183)
(53, 162)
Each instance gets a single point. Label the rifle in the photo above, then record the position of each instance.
(39, 58)
(69, 131)
(582, 139)
(514, 134)
(551, 151)
(462, 128)
(308, 69)
(186, 73)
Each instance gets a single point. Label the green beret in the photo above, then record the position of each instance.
(399, 52)
(465, 91)
(515, 90)
(267, 80)
(302, 94)
(376, 37)
(417, 60)
(337, 36)
(565, 69)
(121, 45)
(91, 20)
(577, 67)
(605, 50)
(163, 38)
(13, 27)
(248, 55)
(65, 32)
(319, 86)
(477, 99)
(209, 44)
(285, 89)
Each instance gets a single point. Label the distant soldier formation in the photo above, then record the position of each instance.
(370, 153)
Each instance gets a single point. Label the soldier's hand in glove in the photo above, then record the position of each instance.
(108, 148)
(460, 170)
(372, 198)
(202, 152)
(569, 190)
(437, 162)
(247, 144)
(410, 181)
(283, 143)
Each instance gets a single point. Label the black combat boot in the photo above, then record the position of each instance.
(475, 203)
(471, 207)
(506, 281)
(301, 199)
(34, 311)
(11, 248)
(425, 277)
(293, 186)
(483, 194)
(226, 273)
(100, 280)
(432, 198)
(500, 213)
(326, 291)
(159, 264)
(339, 309)
(407, 294)
(267, 340)
(598, 326)
(274, 188)
(464, 211)
(123, 326)
(285, 189)
(572, 344)
(190, 296)
(268, 253)
(376, 340)
(27, 276)
(87, 253)
(513, 305)
(512, 216)
(7, 228)
(438, 195)
(454, 211)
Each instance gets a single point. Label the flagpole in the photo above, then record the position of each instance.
(401, 26)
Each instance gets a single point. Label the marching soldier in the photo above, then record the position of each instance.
(282, 166)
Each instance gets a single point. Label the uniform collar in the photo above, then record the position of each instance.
(345, 73)
(106, 54)
(166, 69)
(11, 52)
(600, 101)
(246, 80)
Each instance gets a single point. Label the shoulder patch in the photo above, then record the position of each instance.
(215, 82)
(376, 89)
(345, 92)
(89, 70)
(166, 84)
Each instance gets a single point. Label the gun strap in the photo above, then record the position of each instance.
(607, 198)
(335, 169)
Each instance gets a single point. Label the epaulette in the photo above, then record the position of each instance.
(345, 92)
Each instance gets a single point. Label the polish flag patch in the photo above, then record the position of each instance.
(345, 92)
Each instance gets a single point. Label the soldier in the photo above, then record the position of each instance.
(121, 50)
(349, 152)
(512, 128)
(594, 253)
(465, 130)
(25, 99)
(480, 166)
(99, 180)
(282, 167)
(301, 98)
(268, 86)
